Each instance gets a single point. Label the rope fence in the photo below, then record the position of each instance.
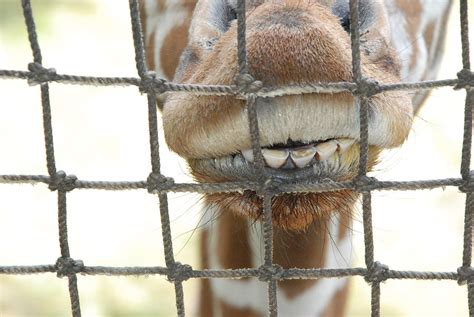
(245, 87)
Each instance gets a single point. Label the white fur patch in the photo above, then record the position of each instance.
(400, 38)
(433, 10)
(253, 293)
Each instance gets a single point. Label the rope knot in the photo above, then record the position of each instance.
(270, 273)
(377, 273)
(367, 87)
(466, 275)
(247, 84)
(179, 272)
(467, 186)
(40, 74)
(365, 183)
(465, 79)
(150, 83)
(157, 183)
(62, 182)
(66, 266)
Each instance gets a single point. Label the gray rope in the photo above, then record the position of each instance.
(167, 185)
(468, 218)
(162, 85)
(365, 89)
(241, 38)
(246, 84)
(65, 253)
(464, 15)
(270, 271)
(48, 130)
(375, 299)
(467, 141)
(255, 136)
(31, 28)
(74, 294)
(368, 235)
(466, 76)
(62, 221)
(355, 41)
(22, 270)
(138, 38)
(178, 289)
(59, 181)
(36, 50)
(65, 266)
(148, 79)
(470, 300)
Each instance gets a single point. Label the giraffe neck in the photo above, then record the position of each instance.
(166, 24)
(418, 29)
(231, 242)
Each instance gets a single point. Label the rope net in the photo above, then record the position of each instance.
(245, 88)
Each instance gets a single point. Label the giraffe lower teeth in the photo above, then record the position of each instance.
(275, 158)
(300, 157)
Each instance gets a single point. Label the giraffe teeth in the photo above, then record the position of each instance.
(325, 150)
(303, 156)
(344, 144)
(275, 158)
(300, 156)
(248, 155)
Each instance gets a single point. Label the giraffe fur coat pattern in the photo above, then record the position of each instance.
(302, 136)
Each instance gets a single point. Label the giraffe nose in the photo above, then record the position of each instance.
(298, 45)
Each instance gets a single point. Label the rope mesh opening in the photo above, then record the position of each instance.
(247, 88)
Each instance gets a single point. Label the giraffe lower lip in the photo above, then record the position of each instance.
(291, 211)
(244, 171)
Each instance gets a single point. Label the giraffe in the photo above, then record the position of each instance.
(288, 42)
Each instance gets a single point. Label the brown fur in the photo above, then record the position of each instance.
(150, 58)
(228, 310)
(237, 255)
(312, 243)
(325, 58)
(161, 4)
(233, 252)
(174, 42)
(206, 298)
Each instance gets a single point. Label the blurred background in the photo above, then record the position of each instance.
(101, 133)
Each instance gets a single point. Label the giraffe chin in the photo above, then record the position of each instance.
(290, 211)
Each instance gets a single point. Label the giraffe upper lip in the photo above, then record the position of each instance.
(307, 118)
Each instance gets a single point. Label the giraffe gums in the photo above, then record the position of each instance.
(304, 137)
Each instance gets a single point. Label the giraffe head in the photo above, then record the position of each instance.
(309, 137)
